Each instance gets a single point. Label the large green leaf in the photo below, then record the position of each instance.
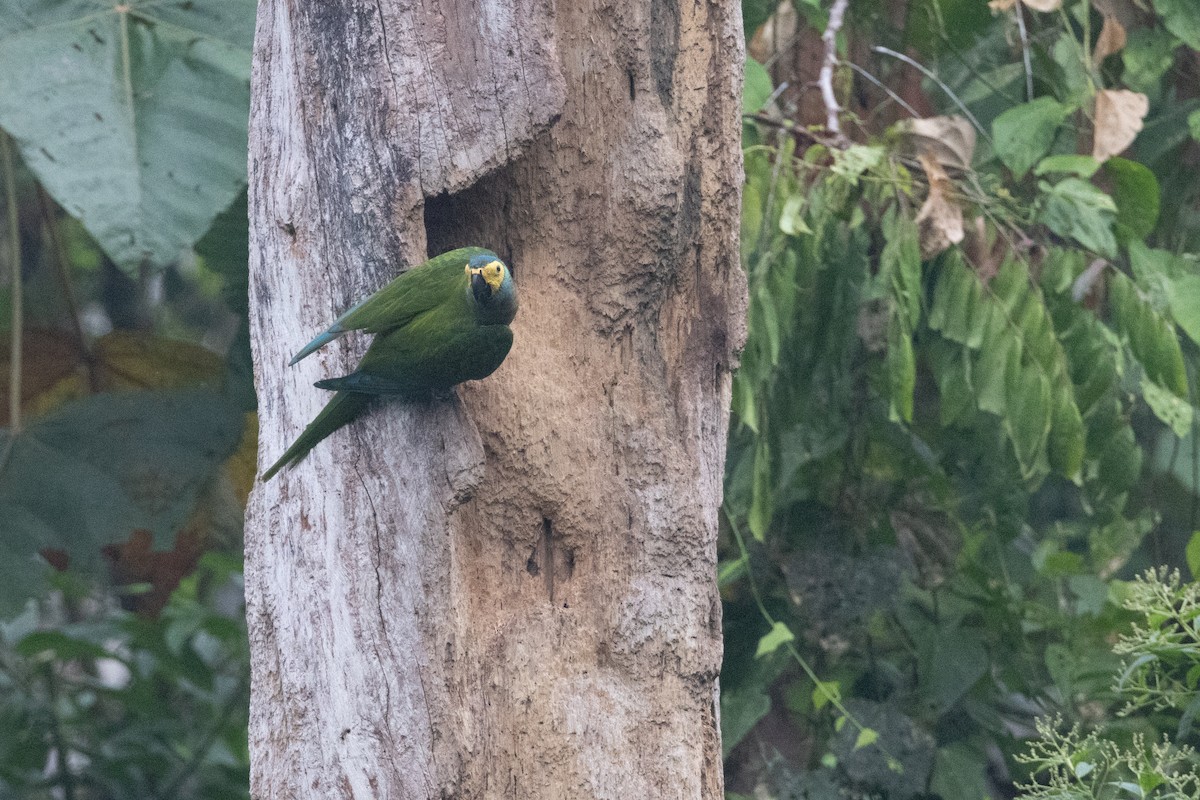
(132, 115)
(103, 467)
(1023, 134)
(1077, 209)
(1135, 191)
(1182, 18)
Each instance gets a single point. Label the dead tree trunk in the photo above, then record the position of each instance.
(511, 594)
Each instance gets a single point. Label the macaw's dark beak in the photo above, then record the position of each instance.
(480, 288)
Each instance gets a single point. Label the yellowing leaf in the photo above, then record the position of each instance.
(940, 219)
(129, 360)
(866, 736)
(1118, 118)
(1112, 39)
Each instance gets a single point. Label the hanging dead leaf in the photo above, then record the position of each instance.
(776, 33)
(1001, 5)
(1126, 12)
(940, 220)
(1043, 5)
(949, 139)
(1112, 39)
(1118, 118)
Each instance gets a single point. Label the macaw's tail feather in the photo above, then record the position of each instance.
(325, 338)
(344, 407)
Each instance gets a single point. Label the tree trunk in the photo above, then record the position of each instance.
(512, 593)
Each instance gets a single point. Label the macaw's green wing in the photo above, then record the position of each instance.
(414, 292)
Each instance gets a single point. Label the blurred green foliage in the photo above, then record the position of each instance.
(962, 348)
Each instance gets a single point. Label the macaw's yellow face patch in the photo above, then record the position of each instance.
(492, 272)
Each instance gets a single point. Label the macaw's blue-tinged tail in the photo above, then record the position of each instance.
(344, 407)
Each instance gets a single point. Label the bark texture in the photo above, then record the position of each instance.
(510, 594)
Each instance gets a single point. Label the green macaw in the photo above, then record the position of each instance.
(436, 325)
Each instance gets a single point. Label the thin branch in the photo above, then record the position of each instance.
(14, 262)
(899, 100)
(887, 51)
(1019, 13)
(825, 80)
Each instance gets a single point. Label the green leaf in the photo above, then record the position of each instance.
(757, 88)
(1184, 301)
(791, 218)
(741, 709)
(1193, 555)
(1024, 133)
(1082, 166)
(132, 115)
(1148, 54)
(103, 467)
(1135, 192)
(1182, 18)
(902, 368)
(959, 771)
(761, 497)
(1175, 412)
(852, 162)
(826, 692)
(778, 636)
(1067, 439)
(731, 571)
(1075, 208)
(951, 661)
(1151, 338)
(865, 737)
(60, 645)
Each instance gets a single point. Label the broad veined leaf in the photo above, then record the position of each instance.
(103, 467)
(132, 115)
(757, 87)
(1184, 299)
(1135, 191)
(1076, 209)
(1024, 133)
(1182, 18)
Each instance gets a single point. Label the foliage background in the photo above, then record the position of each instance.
(964, 424)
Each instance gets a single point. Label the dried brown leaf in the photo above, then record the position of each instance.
(777, 32)
(1118, 118)
(940, 220)
(1112, 39)
(949, 139)
(1001, 5)
(1043, 5)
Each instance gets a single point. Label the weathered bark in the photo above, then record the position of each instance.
(511, 594)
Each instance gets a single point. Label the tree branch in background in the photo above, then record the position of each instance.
(14, 257)
(825, 79)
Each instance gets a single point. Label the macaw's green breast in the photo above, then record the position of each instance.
(438, 349)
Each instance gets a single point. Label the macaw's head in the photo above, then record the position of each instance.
(492, 286)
